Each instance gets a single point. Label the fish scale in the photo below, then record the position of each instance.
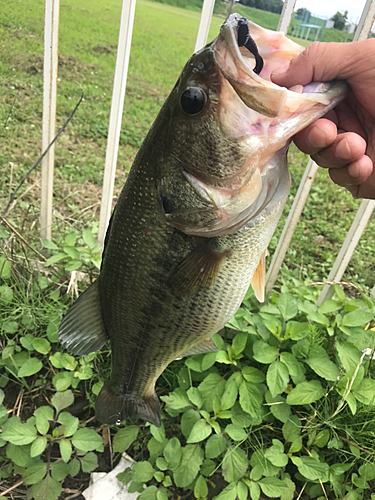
(191, 227)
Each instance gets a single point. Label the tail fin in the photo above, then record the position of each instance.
(111, 407)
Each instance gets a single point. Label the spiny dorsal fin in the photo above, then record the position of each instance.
(258, 281)
(207, 345)
(198, 269)
(81, 330)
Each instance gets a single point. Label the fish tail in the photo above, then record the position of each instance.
(111, 407)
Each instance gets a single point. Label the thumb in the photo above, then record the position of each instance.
(319, 62)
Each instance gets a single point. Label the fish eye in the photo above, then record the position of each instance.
(193, 100)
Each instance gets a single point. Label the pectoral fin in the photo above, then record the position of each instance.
(199, 269)
(207, 345)
(258, 281)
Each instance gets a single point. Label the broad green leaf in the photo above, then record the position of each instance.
(254, 490)
(200, 488)
(236, 432)
(350, 356)
(89, 462)
(275, 454)
(338, 469)
(192, 458)
(230, 394)
(215, 445)
(43, 415)
(18, 433)
(62, 400)
(69, 422)
(310, 467)
(124, 438)
(6, 294)
(278, 406)
(200, 431)
(272, 487)
(143, 472)
(161, 494)
(252, 374)
(86, 440)
(250, 398)
(287, 305)
(154, 447)
(239, 342)
(235, 464)
(10, 327)
(261, 466)
(73, 265)
(208, 467)
(55, 258)
(161, 463)
(321, 438)
(242, 491)
(228, 493)
(295, 368)
(357, 318)
(158, 432)
(329, 306)
(42, 345)
(148, 494)
(292, 429)
(188, 419)
(277, 377)
(305, 393)
(50, 245)
(65, 449)
(47, 489)
(365, 393)
(62, 380)
(20, 455)
(177, 400)
(38, 446)
(34, 473)
(318, 318)
(173, 453)
(367, 471)
(263, 352)
(319, 361)
(59, 470)
(296, 331)
(195, 396)
(30, 367)
(208, 360)
(212, 386)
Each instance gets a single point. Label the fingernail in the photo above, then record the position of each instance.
(280, 70)
(316, 138)
(343, 150)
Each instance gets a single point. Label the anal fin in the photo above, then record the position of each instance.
(198, 269)
(111, 407)
(258, 281)
(81, 330)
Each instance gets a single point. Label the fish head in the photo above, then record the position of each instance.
(226, 123)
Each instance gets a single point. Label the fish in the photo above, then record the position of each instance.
(190, 229)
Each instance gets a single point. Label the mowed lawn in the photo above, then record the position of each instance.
(163, 40)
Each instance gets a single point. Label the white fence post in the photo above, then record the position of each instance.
(286, 16)
(204, 24)
(115, 119)
(51, 40)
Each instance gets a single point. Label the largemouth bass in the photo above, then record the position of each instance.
(191, 227)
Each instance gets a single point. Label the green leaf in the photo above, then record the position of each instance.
(69, 422)
(292, 429)
(252, 374)
(305, 393)
(177, 400)
(89, 462)
(86, 440)
(143, 472)
(350, 356)
(278, 406)
(188, 420)
(319, 361)
(296, 331)
(158, 433)
(295, 368)
(235, 432)
(357, 318)
(318, 318)
(239, 342)
(272, 487)
(365, 393)
(242, 491)
(287, 305)
(263, 352)
(65, 449)
(200, 431)
(161, 463)
(200, 488)
(195, 396)
(329, 306)
(235, 465)
(215, 445)
(10, 327)
(89, 238)
(59, 470)
(192, 458)
(250, 398)
(275, 454)
(55, 258)
(34, 473)
(148, 494)
(18, 433)
(42, 417)
(173, 453)
(30, 367)
(47, 489)
(228, 493)
(310, 467)
(212, 386)
(208, 360)
(38, 446)
(42, 346)
(124, 438)
(20, 455)
(254, 490)
(162, 494)
(277, 377)
(230, 394)
(62, 400)
(50, 245)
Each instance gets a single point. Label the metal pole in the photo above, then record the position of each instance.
(286, 16)
(204, 24)
(51, 40)
(115, 119)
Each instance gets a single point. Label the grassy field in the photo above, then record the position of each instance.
(163, 40)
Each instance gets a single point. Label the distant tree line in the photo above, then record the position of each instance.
(269, 5)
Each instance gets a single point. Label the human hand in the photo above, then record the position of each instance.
(344, 140)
